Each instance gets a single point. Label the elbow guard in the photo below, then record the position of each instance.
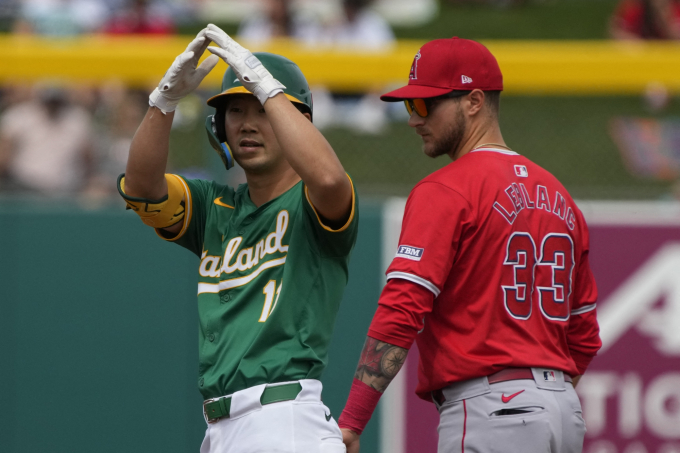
(161, 213)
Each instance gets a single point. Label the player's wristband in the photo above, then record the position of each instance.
(267, 90)
(360, 405)
(165, 105)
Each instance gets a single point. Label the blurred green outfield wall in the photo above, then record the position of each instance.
(98, 332)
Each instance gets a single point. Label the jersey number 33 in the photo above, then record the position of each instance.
(542, 274)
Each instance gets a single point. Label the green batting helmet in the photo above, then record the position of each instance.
(285, 71)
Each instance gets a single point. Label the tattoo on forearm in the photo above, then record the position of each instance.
(379, 363)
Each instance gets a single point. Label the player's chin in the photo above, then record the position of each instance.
(431, 150)
(255, 164)
(246, 161)
(427, 145)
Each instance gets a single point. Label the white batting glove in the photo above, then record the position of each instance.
(249, 70)
(183, 77)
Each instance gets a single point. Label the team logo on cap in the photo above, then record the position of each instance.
(414, 67)
(466, 79)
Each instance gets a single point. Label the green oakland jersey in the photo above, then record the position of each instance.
(270, 283)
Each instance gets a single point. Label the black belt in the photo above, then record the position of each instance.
(217, 408)
(508, 374)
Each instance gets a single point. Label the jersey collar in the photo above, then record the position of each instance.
(496, 150)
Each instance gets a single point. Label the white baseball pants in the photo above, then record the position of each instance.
(303, 425)
(542, 415)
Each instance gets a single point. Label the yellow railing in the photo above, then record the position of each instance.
(529, 67)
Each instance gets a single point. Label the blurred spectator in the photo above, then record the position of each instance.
(277, 20)
(61, 17)
(360, 27)
(357, 25)
(9, 11)
(142, 17)
(14, 93)
(119, 111)
(499, 3)
(646, 19)
(45, 146)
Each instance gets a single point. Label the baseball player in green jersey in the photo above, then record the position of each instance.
(273, 253)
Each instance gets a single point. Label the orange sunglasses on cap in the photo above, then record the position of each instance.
(420, 106)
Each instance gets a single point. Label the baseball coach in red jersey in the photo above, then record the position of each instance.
(491, 277)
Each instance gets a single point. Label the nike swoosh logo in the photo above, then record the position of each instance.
(506, 399)
(328, 417)
(218, 202)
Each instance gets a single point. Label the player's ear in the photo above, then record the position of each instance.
(475, 101)
(307, 115)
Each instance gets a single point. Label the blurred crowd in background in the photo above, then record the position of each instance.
(344, 22)
(339, 21)
(58, 140)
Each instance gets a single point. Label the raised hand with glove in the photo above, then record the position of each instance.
(184, 76)
(304, 148)
(146, 187)
(248, 68)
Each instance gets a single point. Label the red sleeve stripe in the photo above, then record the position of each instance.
(415, 279)
(584, 309)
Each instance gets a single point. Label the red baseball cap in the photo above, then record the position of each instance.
(445, 65)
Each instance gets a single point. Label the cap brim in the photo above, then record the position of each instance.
(218, 99)
(414, 92)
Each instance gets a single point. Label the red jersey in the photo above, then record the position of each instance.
(491, 272)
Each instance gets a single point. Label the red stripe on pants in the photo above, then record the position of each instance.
(462, 442)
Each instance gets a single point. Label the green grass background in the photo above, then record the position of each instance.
(569, 136)
(566, 135)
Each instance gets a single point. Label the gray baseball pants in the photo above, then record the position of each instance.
(542, 415)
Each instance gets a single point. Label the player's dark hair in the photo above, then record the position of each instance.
(457, 94)
(493, 100)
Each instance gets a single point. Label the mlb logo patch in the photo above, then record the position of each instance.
(409, 252)
(521, 171)
(549, 376)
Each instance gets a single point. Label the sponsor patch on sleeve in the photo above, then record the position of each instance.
(409, 252)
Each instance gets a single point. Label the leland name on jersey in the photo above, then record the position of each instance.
(247, 258)
(520, 199)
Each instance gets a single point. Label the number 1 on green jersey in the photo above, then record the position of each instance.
(268, 292)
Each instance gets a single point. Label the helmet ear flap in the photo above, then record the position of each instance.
(217, 136)
(220, 130)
